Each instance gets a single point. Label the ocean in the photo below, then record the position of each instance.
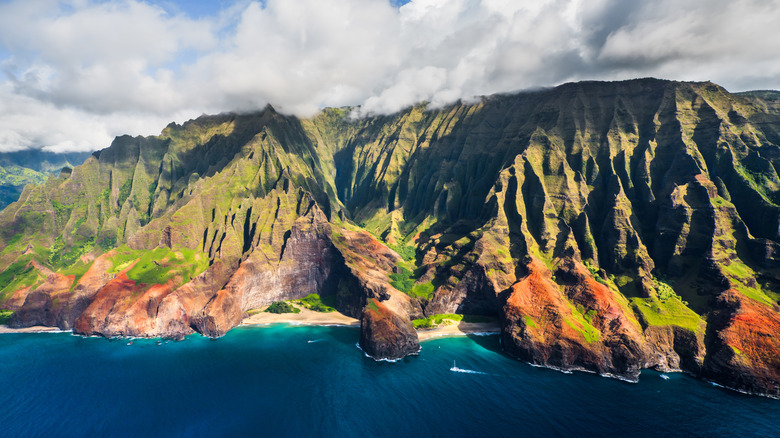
(284, 380)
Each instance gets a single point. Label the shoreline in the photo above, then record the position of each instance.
(34, 329)
(305, 317)
(460, 329)
(310, 317)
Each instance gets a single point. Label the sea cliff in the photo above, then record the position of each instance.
(610, 226)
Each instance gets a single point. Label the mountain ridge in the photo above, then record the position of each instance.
(17, 169)
(610, 226)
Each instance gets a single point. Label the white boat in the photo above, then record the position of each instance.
(664, 376)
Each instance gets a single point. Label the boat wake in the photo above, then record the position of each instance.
(461, 370)
(315, 340)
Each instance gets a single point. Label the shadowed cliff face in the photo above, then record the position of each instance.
(611, 226)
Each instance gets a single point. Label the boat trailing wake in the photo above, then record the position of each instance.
(461, 370)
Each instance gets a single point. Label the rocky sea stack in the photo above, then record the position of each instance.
(611, 227)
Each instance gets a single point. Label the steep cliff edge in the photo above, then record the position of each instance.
(610, 226)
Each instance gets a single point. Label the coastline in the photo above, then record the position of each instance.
(34, 329)
(460, 329)
(305, 317)
(310, 317)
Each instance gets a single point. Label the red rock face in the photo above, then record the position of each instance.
(177, 310)
(116, 296)
(621, 335)
(58, 302)
(746, 352)
(385, 334)
(535, 328)
(44, 305)
(541, 327)
(17, 299)
(310, 263)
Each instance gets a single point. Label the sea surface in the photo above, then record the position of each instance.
(286, 380)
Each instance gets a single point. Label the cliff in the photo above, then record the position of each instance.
(610, 226)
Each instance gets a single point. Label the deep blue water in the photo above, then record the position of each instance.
(274, 381)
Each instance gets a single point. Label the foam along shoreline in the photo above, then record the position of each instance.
(33, 329)
(305, 317)
(460, 329)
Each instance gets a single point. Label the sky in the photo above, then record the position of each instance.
(76, 73)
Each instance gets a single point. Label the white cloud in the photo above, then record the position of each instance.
(82, 71)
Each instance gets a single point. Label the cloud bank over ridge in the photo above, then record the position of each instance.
(79, 72)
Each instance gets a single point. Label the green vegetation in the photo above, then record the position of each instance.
(124, 257)
(529, 322)
(582, 324)
(317, 304)
(671, 311)
(14, 175)
(61, 212)
(595, 272)
(407, 252)
(741, 274)
(163, 264)
(405, 281)
(18, 275)
(159, 265)
(664, 291)
(282, 307)
(434, 320)
(78, 270)
(124, 192)
(62, 256)
(371, 305)
(590, 333)
(422, 290)
(5, 316)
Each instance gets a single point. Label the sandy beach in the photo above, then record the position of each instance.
(310, 317)
(460, 329)
(34, 329)
(306, 317)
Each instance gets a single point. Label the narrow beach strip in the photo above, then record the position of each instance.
(305, 317)
(33, 329)
(460, 329)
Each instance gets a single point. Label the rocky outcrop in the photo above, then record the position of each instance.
(675, 348)
(744, 345)
(582, 329)
(58, 301)
(386, 334)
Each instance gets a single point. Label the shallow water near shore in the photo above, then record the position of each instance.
(284, 380)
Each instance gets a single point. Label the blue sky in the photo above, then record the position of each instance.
(195, 8)
(207, 8)
(76, 73)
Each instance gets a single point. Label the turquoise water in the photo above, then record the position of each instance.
(297, 380)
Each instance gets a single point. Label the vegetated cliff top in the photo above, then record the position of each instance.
(612, 226)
